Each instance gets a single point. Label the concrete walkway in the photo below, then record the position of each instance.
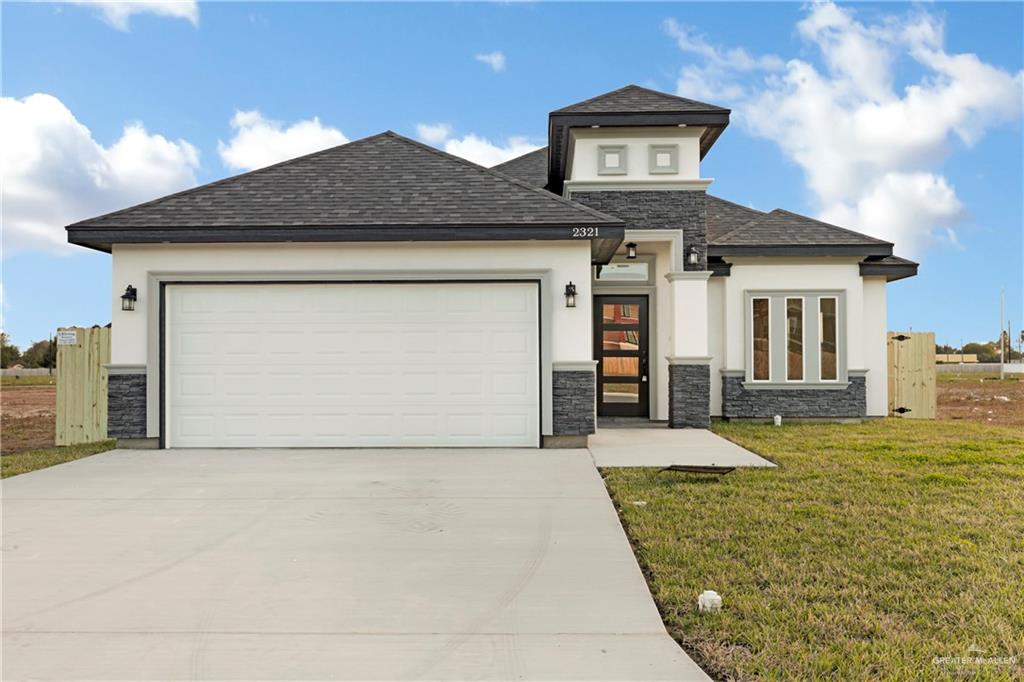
(649, 447)
(319, 564)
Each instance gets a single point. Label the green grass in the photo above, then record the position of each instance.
(871, 550)
(30, 460)
(29, 381)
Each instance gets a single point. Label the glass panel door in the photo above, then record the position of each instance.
(620, 348)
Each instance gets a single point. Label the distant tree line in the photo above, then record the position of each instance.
(986, 352)
(39, 354)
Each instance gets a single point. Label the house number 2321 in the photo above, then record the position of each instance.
(584, 232)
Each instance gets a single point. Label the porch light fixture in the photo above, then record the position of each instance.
(631, 250)
(692, 256)
(570, 295)
(128, 298)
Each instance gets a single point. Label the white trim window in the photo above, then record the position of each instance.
(828, 338)
(760, 339)
(795, 338)
(795, 361)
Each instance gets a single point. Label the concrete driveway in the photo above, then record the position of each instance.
(314, 564)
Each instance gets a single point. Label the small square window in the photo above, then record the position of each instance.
(611, 160)
(663, 158)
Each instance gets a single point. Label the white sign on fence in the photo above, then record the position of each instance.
(67, 338)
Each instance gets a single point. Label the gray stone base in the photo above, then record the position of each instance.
(138, 443)
(573, 406)
(564, 442)
(689, 396)
(126, 406)
(739, 402)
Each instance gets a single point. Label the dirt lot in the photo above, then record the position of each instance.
(28, 417)
(981, 399)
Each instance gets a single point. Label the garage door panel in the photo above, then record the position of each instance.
(352, 365)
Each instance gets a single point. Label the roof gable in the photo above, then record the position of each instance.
(386, 180)
(635, 99)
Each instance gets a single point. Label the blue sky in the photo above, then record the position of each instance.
(937, 171)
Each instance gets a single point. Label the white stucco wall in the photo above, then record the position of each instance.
(875, 351)
(865, 313)
(583, 163)
(565, 332)
(716, 339)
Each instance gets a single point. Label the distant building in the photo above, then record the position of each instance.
(954, 358)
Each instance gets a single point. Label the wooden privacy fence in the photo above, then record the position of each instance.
(82, 357)
(912, 374)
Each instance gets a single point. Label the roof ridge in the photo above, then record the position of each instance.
(835, 227)
(634, 86)
(507, 178)
(222, 181)
(744, 226)
(520, 157)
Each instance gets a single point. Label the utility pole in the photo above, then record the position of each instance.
(1002, 342)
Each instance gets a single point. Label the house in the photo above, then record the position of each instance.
(384, 293)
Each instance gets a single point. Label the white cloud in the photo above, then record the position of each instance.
(433, 133)
(716, 76)
(495, 60)
(55, 173)
(119, 14)
(482, 151)
(472, 147)
(260, 142)
(870, 152)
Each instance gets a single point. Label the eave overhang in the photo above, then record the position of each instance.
(893, 269)
(775, 250)
(559, 125)
(604, 238)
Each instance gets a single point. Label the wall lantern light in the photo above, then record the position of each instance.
(570, 295)
(631, 250)
(128, 298)
(693, 256)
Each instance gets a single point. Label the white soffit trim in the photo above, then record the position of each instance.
(634, 185)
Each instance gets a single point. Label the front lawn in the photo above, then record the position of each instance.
(873, 550)
(30, 460)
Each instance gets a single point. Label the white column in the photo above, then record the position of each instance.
(689, 324)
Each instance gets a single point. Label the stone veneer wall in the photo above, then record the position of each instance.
(573, 405)
(689, 396)
(658, 210)
(126, 406)
(739, 402)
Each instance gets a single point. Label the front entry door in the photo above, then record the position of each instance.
(620, 348)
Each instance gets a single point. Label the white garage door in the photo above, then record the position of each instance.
(352, 365)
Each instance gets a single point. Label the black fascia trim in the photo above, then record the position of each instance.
(161, 399)
(802, 250)
(715, 122)
(719, 267)
(891, 271)
(102, 237)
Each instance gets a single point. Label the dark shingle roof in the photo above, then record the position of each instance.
(383, 180)
(729, 223)
(784, 228)
(635, 99)
(725, 216)
(530, 168)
